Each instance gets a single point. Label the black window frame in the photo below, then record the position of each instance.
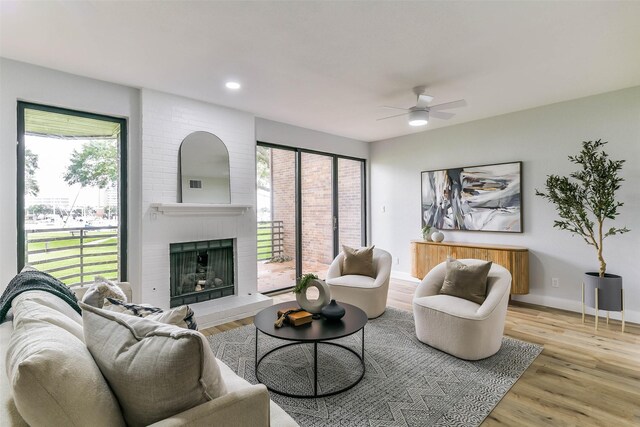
(122, 185)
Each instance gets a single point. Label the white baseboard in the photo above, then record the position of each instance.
(575, 306)
(401, 275)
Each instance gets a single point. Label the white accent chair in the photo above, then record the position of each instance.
(367, 293)
(457, 326)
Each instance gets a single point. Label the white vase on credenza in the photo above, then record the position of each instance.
(437, 236)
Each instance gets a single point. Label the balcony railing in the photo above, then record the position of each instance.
(74, 255)
(270, 239)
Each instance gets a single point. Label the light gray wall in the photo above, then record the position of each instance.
(294, 136)
(541, 138)
(25, 82)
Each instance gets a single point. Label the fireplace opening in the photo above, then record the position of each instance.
(201, 271)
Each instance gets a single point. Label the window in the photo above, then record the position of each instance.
(71, 193)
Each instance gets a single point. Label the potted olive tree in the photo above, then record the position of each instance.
(585, 201)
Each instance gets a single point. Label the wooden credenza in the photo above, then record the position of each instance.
(426, 255)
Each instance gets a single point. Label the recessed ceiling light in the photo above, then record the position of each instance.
(232, 85)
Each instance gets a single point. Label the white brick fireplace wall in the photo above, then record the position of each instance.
(166, 121)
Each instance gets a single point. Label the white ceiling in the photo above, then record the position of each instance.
(329, 66)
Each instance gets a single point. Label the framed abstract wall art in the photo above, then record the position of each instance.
(475, 198)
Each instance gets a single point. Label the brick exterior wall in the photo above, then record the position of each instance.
(283, 190)
(350, 202)
(317, 218)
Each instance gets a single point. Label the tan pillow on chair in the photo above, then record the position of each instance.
(466, 281)
(358, 261)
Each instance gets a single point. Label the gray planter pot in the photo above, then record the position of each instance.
(609, 291)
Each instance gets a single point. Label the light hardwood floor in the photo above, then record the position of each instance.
(582, 378)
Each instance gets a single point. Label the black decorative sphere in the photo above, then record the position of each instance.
(333, 311)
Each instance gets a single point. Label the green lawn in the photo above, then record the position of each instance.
(69, 272)
(264, 243)
(91, 254)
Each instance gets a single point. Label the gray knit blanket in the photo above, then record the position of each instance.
(36, 281)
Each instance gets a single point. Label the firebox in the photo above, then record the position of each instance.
(201, 271)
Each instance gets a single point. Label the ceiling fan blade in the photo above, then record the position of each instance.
(447, 105)
(423, 101)
(397, 115)
(440, 115)
(395, 108)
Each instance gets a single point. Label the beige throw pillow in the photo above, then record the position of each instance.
(155, 370)
(358, 261)
(466, 281)
(102, 288)
(54, 380)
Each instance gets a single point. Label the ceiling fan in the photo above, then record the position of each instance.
(419, 114)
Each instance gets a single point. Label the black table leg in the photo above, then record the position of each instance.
(256, 366)
(315, 368)
(362, 344)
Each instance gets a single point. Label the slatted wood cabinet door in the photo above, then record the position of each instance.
(426, 255)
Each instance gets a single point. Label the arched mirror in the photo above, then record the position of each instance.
(204, 169)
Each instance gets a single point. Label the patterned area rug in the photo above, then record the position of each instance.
(406, 383)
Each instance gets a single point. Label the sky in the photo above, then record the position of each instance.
(53, 159)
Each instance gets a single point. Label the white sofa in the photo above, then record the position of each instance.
(457, 326)
(243, 404)
(367, 293)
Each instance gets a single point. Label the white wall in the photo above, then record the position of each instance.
(157, 123)
(25, 82)
(542, 138)
(166, 121)
(211, 189)
(294, 136)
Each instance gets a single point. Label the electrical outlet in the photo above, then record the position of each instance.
(555, 282)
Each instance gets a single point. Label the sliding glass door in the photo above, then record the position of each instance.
(317, 238)
(351, 211)
(309, 204)
(277, 221)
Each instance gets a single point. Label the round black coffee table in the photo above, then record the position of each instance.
(320, 331)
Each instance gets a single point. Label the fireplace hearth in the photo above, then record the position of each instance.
(201, 271)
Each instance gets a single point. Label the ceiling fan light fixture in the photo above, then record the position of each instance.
(418, 117)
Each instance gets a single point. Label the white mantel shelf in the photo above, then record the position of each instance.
(203, 209)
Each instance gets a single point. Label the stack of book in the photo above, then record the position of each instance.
(298, 318)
